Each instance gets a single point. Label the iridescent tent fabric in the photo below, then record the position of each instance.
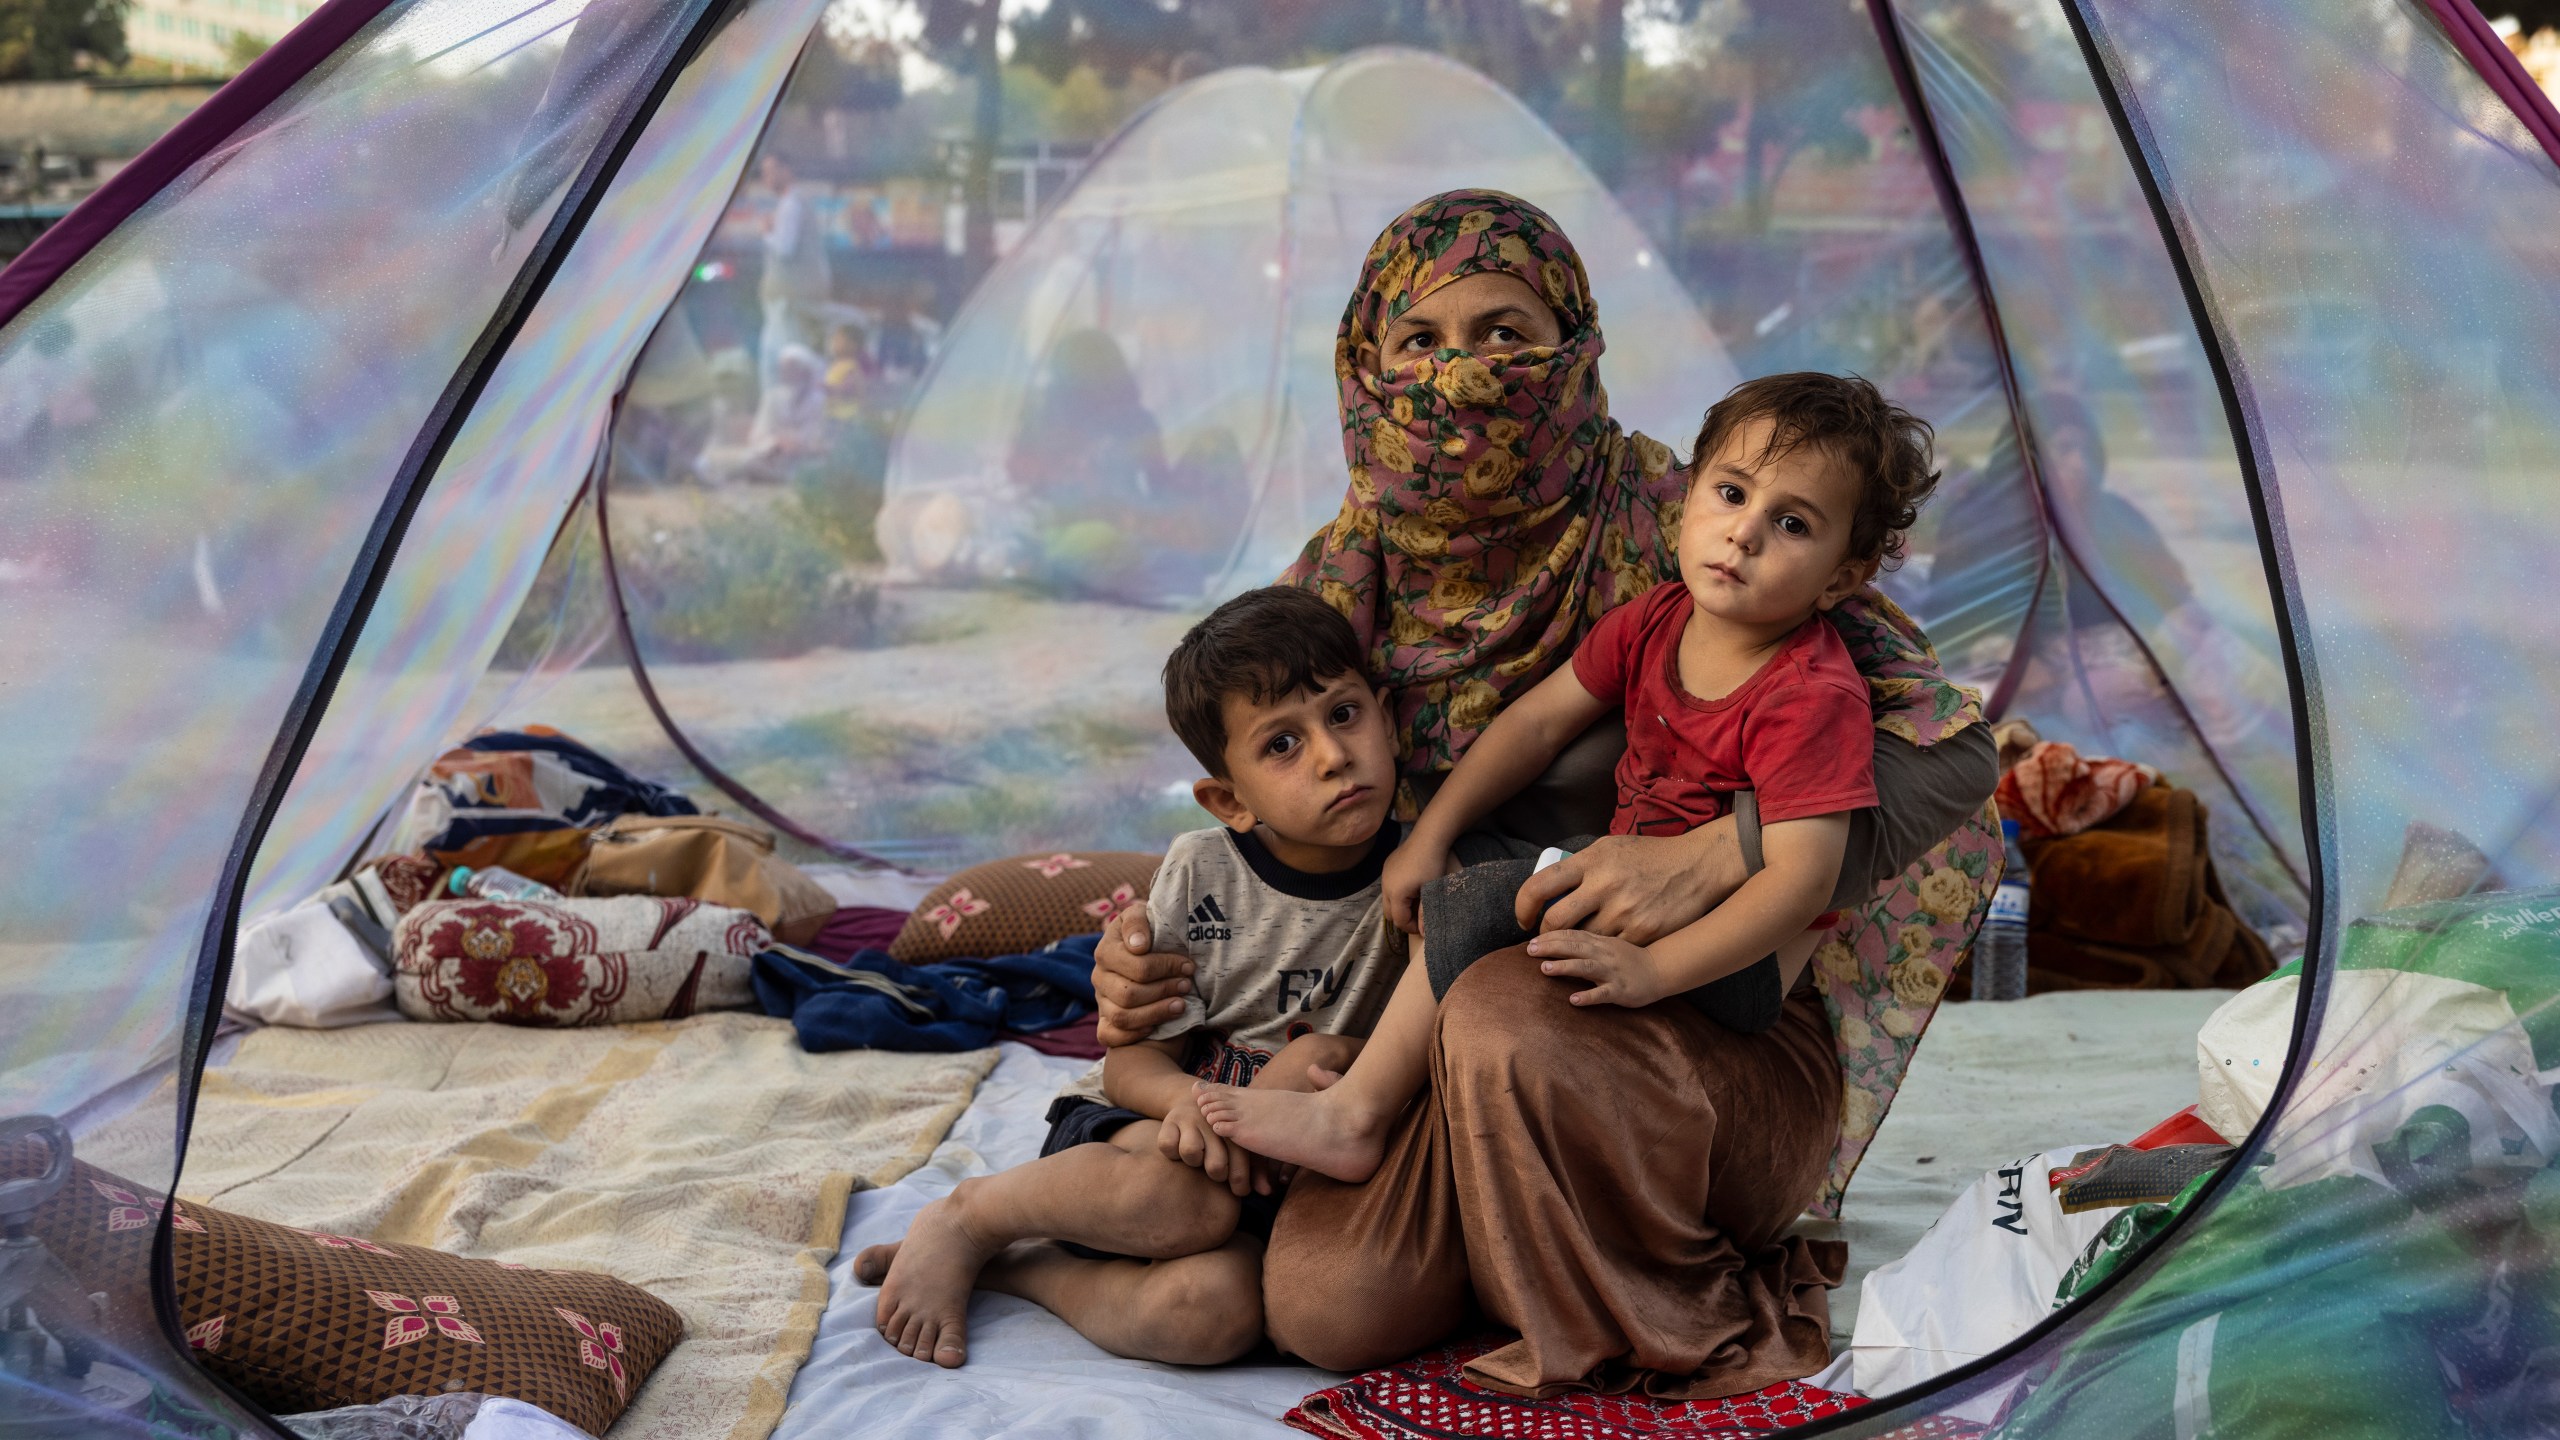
(357, 405)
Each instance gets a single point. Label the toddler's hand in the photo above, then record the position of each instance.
(1410, 868)
(1185, 1136)
(1621, 974)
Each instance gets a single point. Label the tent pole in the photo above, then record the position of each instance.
(2500, 70)
(728, 784)
(1959, 218)
(1924, 129)
(2310, 723)
(372, 568)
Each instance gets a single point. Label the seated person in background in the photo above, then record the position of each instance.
(848, 373)
(1282, 912)
(1729, 681)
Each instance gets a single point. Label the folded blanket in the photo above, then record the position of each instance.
(871, 1001)
(2054, 790)
(2135, 903)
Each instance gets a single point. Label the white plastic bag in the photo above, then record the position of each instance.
(1985, 1272)
(303, 967)
(2392, 1043)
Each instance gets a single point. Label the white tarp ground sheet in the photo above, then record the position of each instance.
(1028, 1374)
(1990, 1083)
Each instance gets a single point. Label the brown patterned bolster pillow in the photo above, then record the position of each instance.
(1016, 906)
(301, 1320)
(573, 962)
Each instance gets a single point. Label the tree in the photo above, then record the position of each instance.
(59, 39)
(243, 48)
(1803, 97)
(965, 35)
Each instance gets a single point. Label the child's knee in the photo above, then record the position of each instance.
(1207, 1309)
(1189, 1211)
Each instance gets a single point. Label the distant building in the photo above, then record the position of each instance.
(61, 139)
(197, 34)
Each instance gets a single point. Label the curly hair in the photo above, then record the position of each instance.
(1846, 417)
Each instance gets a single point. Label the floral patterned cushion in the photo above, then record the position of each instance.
(1016, 906)
(1884, 970)
(573, 962)
(300, 1320)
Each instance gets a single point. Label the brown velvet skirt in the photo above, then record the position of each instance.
(1614, 1185)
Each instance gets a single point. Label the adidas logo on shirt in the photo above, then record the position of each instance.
(1207, 922)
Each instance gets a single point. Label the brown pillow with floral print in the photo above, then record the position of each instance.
(1016, 906)
(300, 1320)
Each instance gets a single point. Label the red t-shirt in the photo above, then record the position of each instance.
(1799, 732)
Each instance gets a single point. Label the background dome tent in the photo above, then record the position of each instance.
(292, 407)
(1263, 189)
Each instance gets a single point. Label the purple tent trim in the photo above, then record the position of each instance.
(2500, 70)
(283, 65)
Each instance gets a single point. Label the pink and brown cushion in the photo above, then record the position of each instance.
(573, 962)
(300, 1320)
(1016, 906)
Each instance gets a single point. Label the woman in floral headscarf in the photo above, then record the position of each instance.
(1615, 1185)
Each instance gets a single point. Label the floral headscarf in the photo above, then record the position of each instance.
(1496, 511)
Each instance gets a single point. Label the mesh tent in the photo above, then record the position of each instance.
(2236, 320)
(1247, 183)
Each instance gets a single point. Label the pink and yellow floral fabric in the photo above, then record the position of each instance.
(1883, 971)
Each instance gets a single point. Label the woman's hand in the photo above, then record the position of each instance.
(1136, 991)
(1414, 864)
(1621, 974)
(1638, 888)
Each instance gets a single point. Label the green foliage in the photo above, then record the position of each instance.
(745, 585)
(839, 497)
(59, 39)
(243, 48)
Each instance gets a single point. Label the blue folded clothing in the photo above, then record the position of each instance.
(873, 1002)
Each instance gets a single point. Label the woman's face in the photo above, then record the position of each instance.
(1487, 313)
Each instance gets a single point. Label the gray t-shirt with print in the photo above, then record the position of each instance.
(1278, 952)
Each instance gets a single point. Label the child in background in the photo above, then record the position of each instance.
(1284, 915)
(1729, 681)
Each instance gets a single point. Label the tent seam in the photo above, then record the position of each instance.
(1978, 1376)
(354, 607)
(241, 100)
(1968, 243)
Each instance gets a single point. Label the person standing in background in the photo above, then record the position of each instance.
(796, 281)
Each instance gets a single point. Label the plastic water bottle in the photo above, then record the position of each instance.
(497, 882)
(2000, 952)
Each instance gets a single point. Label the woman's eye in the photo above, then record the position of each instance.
(1794, 525)
(1418, 340)
(1503, 335)
(1729, 493)
(1281, 746)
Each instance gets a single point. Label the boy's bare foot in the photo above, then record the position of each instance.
(925, 1281)
(871, 1264)
(1317, 1131)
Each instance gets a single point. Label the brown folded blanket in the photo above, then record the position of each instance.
(2135, 904)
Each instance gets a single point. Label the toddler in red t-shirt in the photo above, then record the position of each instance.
(1730, 681)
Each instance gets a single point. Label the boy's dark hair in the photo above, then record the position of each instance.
(1265, 645)
(1887, 446)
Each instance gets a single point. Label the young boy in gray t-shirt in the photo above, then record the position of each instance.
(1282, 913)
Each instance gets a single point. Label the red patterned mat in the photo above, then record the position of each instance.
(1429, 1398)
